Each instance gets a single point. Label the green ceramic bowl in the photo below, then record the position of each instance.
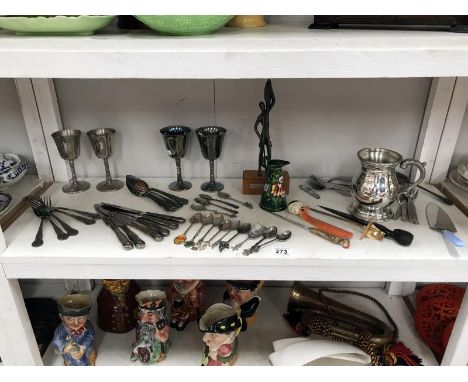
(54, 25)
(185, 25)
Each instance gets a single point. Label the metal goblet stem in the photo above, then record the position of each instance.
(68, 145)
(102, 146)
(176, 140)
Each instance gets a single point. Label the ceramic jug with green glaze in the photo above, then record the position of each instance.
(274, 194)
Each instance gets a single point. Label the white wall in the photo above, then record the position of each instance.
(318, 125)
(13, 138)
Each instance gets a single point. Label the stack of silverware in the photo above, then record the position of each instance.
(44, 209)
(120, 218)
(167, 201)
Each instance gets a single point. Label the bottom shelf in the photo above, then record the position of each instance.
(255, 345)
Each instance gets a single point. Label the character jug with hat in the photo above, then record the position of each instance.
(242, 296)
(74, 337)
(221, 325)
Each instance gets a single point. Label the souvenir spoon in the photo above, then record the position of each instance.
(235, 224)
(255, 232)
(267, 234)
(225, 226)
(225, 195)
(207, 202)
(217, 221)
(180, 239)
(281, 236)
(201, 207)
(242, 229)
(209, 198)
(205, 220)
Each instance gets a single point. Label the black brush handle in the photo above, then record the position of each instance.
(401, 236)
(442, 198)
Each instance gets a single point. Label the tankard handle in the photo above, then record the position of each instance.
(422, 172)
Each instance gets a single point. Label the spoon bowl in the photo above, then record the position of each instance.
(196, 218)
(283, 235)
(255, 232)
(242, 229)
(205, 220)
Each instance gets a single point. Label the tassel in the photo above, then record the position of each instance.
(398, 354)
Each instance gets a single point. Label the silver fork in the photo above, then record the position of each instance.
(88, 218)
(38, 209)
(69, 230)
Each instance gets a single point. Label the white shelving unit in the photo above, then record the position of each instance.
(276, 51)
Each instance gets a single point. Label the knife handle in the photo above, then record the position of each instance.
(156, 235)
(134, 238)
(126, 243)
(454, 239)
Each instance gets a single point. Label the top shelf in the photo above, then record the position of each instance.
(275, 51)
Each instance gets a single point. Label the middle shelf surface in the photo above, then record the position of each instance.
(96, 252)
(255, 344)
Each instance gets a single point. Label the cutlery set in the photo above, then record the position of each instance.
(121, 219)
(42, 208)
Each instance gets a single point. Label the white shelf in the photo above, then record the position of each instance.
(254, 345)
(275, 51)
(96, 252)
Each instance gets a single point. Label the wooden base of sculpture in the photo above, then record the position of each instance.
(252, 183)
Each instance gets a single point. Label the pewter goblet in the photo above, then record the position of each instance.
(176, 139)
(68, 145)
(102, 145)
(211, 142)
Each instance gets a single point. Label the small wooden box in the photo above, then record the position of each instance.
(252, 183)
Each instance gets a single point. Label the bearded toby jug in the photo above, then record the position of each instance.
(152, 332)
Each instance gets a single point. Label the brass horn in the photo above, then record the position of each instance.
(347, 324)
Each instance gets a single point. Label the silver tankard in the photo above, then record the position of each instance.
(375, 187)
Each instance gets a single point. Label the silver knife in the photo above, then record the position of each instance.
(126, 243)
(439, 220)
(121, 222)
